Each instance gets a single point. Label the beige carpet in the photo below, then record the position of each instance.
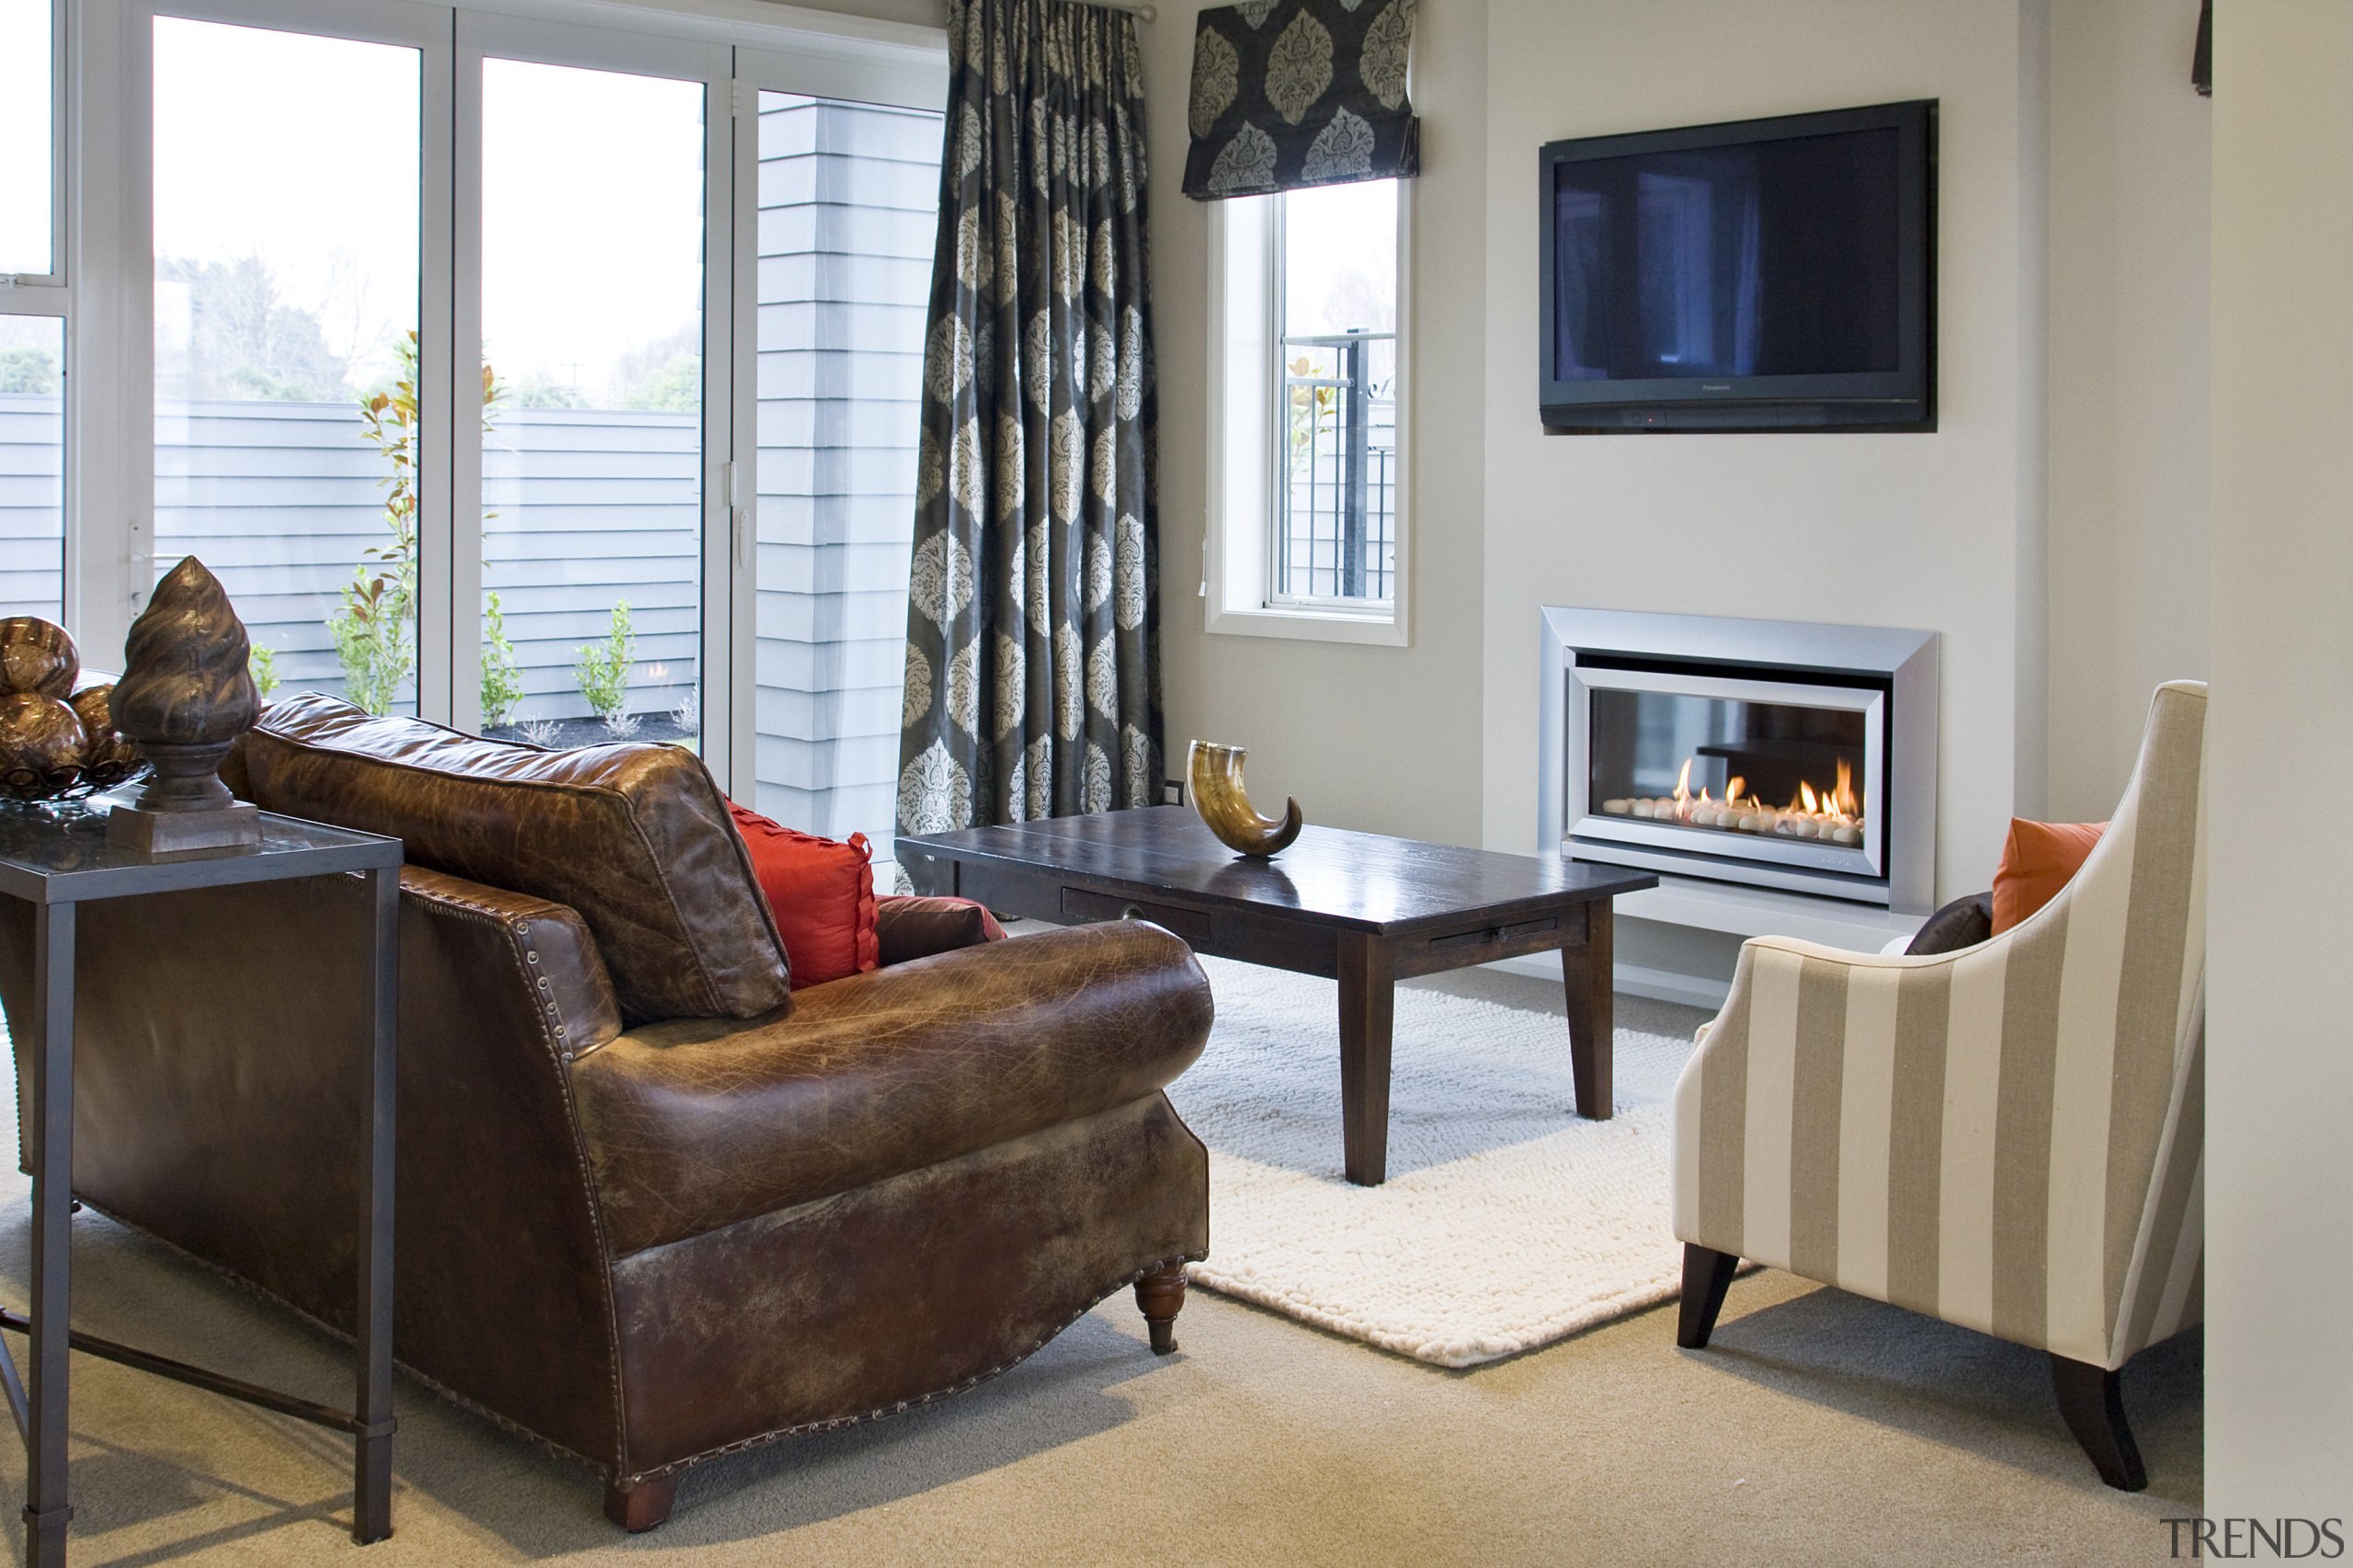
(1506, 1222)
(1820, 1429)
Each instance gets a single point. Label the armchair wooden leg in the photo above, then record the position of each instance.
(1161, 1296)
(643, 1506)
(1707, 1275)
(2094, 1409)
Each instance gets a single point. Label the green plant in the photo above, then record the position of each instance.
(264, 667)
(602, 668)
(373, 623)
(502, 673)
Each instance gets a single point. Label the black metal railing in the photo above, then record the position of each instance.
(1337, 533)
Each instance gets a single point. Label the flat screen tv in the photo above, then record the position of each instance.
(1764, 275)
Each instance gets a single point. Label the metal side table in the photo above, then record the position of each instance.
(56, 866)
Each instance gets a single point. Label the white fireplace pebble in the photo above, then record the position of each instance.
(1617, 808)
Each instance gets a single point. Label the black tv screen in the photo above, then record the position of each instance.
(1769, 274)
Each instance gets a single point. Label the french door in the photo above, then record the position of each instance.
(543, 379)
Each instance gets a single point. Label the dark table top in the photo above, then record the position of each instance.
(47, 861)
(1330, 876)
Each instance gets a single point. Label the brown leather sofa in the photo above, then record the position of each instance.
(653, 1206)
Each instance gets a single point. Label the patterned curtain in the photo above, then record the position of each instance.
(1033, 678)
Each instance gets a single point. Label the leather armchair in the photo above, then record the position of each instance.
(2005, 1134)
(642, 1241)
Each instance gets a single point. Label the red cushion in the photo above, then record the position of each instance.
(2038, 860)
(822, 893)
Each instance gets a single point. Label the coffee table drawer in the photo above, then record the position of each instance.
(1461, 949)
(1084, 903)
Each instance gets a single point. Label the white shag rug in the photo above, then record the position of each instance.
(1506, 1222)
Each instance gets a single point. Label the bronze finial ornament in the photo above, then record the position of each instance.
(1224, 804)
(186, 693)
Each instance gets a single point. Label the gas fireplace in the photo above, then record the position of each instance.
(1778, 754)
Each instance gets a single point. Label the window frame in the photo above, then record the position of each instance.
(1245, 504)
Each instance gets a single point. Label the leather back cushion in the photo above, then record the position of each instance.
(635, 837)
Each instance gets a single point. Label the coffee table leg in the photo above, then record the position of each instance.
(1593, 1019)
(1368, 982)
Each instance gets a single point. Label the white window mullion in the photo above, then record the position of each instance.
(110, 385)
(734, 710)
(457, 608)
(722, 475)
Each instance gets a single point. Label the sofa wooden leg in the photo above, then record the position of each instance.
(643, 1506)
(2094, 1408)
(1161, 1295)
(1707, 1275)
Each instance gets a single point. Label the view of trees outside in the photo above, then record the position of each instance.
(30, 363)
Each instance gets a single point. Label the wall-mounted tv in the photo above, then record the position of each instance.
(1763, 275)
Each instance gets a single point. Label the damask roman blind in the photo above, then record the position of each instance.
(1292, 92)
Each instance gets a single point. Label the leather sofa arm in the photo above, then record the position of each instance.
(695, 1124)
(549, 945)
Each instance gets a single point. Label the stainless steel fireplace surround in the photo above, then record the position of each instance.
(1776, 753)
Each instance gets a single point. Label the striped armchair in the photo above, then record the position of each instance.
(2006, 1137)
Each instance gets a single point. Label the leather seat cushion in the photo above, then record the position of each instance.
(634, 837)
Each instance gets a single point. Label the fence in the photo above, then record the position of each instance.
(1338, 531)
(32, 522)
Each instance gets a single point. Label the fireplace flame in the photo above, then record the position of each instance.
(1831, 813)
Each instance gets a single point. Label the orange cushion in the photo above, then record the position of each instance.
(2037, 861)
(822, 893)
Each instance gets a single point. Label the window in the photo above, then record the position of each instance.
(461, 330)
(286, 308)
(29, 140)
(1308, 352)
(32, 316)
(32, 466)
(592, 332)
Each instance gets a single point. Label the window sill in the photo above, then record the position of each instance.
(1379, 629)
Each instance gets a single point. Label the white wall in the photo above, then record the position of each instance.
(1381, 739)
(2129, 280)
(2052, 527)
(2280, 1066)
(1935, 531)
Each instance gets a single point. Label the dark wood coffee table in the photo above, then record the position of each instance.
(1357, 908)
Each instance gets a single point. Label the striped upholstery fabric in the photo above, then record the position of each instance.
(2009, 1137)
